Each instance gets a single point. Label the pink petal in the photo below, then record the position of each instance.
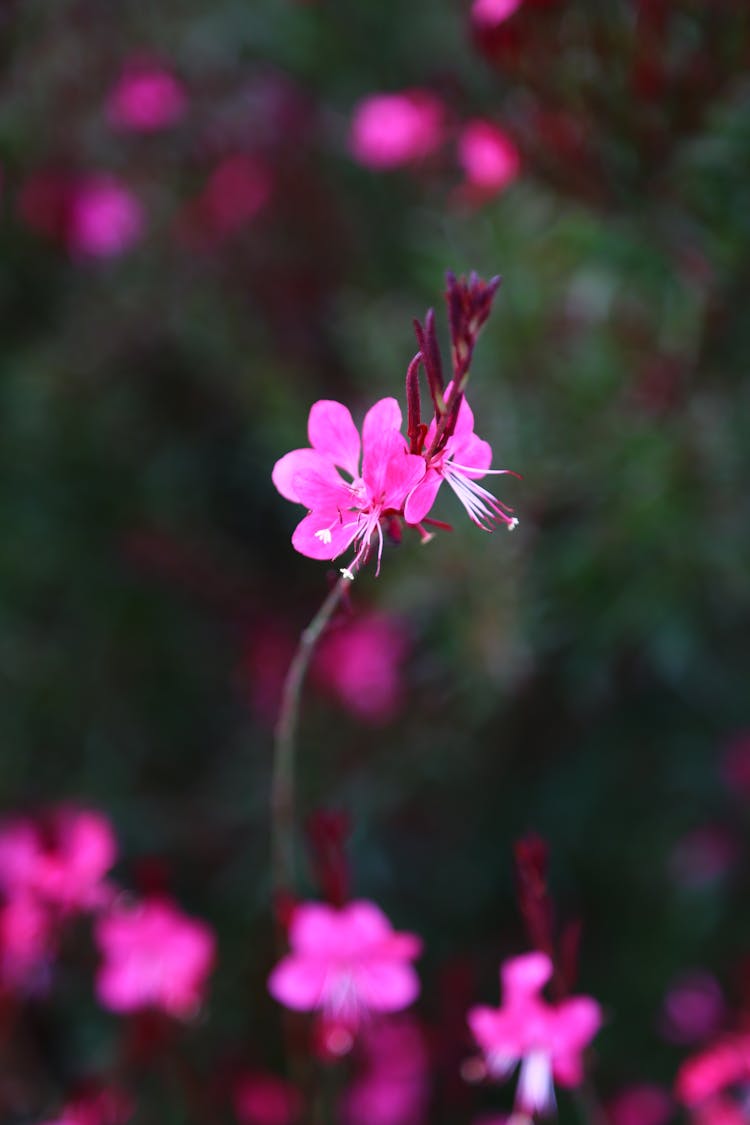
(298, 982)
(496, 1032)
(307, 540)
(387, 987)
(472, 453)
(298, 463)
(323, 491)
(389, 470)
(568, 1069)
(523, 977)
(332, 432)
(385, 415)
(575, 1022)
(366, 923)
(314, 928)
(420, 499)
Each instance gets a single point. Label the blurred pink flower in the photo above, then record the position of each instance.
(346, 962)
(707, 1074)
(390, 130)
(61, 860)
(393, 1087)
(548, 1040)
(154, 956)
(26, 945)
(105, 218)
(264, 1099)
(359, 662)
(643, 1104)
(146, 99)
(489, 158)
(104, 1106)
(461, 461)
(490, 13)
(693, 1009)
(342, 513)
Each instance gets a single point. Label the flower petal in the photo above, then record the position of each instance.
(420, 499)
(523, 977)
(298, 982)
(383, 416)
(389, 470)
(323, 535)
(298, 463)
(385, 986)
(332, 432)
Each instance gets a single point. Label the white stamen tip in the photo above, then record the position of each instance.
(346, 573)
(324, 535)
(512, 524)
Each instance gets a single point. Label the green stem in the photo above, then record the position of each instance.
(285, 743)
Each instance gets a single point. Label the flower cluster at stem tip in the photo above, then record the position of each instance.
(390, 479)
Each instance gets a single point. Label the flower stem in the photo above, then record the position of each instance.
(285, 744)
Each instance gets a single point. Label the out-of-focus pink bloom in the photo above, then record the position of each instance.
(264, 1099)
(705, 1075)
(393, 1088)
(461, 462)
(106, 1106)
(548, 1040)
(237, 190)
(391, 130)
(105, 218)
(360, 661)
(693, 1008)
(489, 158)
(702, 857)
(146, 99)
(346, 962)
(26, 945)
(644, 1104)
(490, 13)
(735, 764)
(154, 956)
(343, 512)
(62, 861)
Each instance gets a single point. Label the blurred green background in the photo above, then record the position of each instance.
(580, 678)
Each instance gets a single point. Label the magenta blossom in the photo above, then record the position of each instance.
(643, 1104)
(360, 663)
(61, 861)
(346, 962)
(706, 1077)
(105, 218)
(264, 1099)
(154, 957)
(491, 13)
(390, 130)
(489, 158)
(548, 1040)
(344, 512)
(27, 946)
(461, 462)
(146, 99)
(393, 1086)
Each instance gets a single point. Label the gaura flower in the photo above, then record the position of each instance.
(145, 99)
(460, 462)
(346, 962)
(341, 511)
(489, 158)
(390, 130)
(547, 1039)
(154, 956)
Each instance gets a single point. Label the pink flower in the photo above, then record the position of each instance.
(345, 512)
(105, 1106)
(390, 130)
(346, 962)
(105, 218)
(154, 957)
(548, 1040)
(461, 461)
(62, 861)
(488, 156)
(644, 1104)
(360, 663)
(491, 13)
(264, 1099)
(706, 1075)
(146, 99)
(693, 1008)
